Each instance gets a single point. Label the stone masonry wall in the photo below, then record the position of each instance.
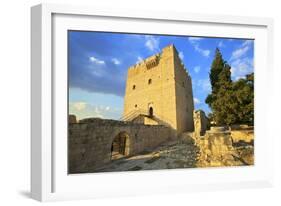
(184, 96)
(90, 140)
(242, 133)
(161, 84)
(201, 123)
(218, 147)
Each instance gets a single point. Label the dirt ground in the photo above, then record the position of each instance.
(172, 155)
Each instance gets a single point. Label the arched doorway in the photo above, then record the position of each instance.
(150, 112)
(120, 146)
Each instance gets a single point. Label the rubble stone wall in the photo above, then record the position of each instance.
(90, 141)
(217, 147)
(242, 133)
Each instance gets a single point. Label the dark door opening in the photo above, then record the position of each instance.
(150, 112)
(118, 147)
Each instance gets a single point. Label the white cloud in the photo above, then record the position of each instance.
(194, 41)
(116, 61)
(152, 43)
(181, 55)
(242, 50)
(204, 52)
(241, 67)
(96, 61)
(139, 59)
(221, 44)
(84, 110)
(247, 43)
(196, 100)
(79, 106)
(197, 69)
(239, 53)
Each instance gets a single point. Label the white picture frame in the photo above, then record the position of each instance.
(49, 180)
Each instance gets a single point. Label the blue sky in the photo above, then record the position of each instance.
(98, 64)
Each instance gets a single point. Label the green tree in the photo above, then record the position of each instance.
(216, 68)
(220, 79)
(244, 96)
(220, 76)
(231, 102)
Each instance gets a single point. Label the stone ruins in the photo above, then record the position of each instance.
(159, 128)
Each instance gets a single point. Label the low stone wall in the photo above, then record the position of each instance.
(245, 134)
(72, 119)
(219, 141)
(218, 148)
(90, 141)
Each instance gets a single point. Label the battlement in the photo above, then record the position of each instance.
(154, 60)
(154, 57)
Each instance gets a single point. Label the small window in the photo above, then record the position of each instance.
(136, 105)
(134, 87)
(149, 81)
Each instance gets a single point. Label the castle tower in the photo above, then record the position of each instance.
(160, 88)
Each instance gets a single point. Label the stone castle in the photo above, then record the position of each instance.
(158, 110)
(160, 90)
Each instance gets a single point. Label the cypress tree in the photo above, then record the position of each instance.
(231, 102)
(216, 68)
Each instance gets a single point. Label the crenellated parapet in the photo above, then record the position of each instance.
(152, 61)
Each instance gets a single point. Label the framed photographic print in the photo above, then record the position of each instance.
(137, 102)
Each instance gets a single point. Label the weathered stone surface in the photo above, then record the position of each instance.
(160, 86)
(217, 129)
(72, 118)
(244, 135)
(90, 141)
(184, 152)
(187, 137)
(241, 127)
(217, 149)
(201, 123)
(158, 108)
(145, 119)
(170, 155)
